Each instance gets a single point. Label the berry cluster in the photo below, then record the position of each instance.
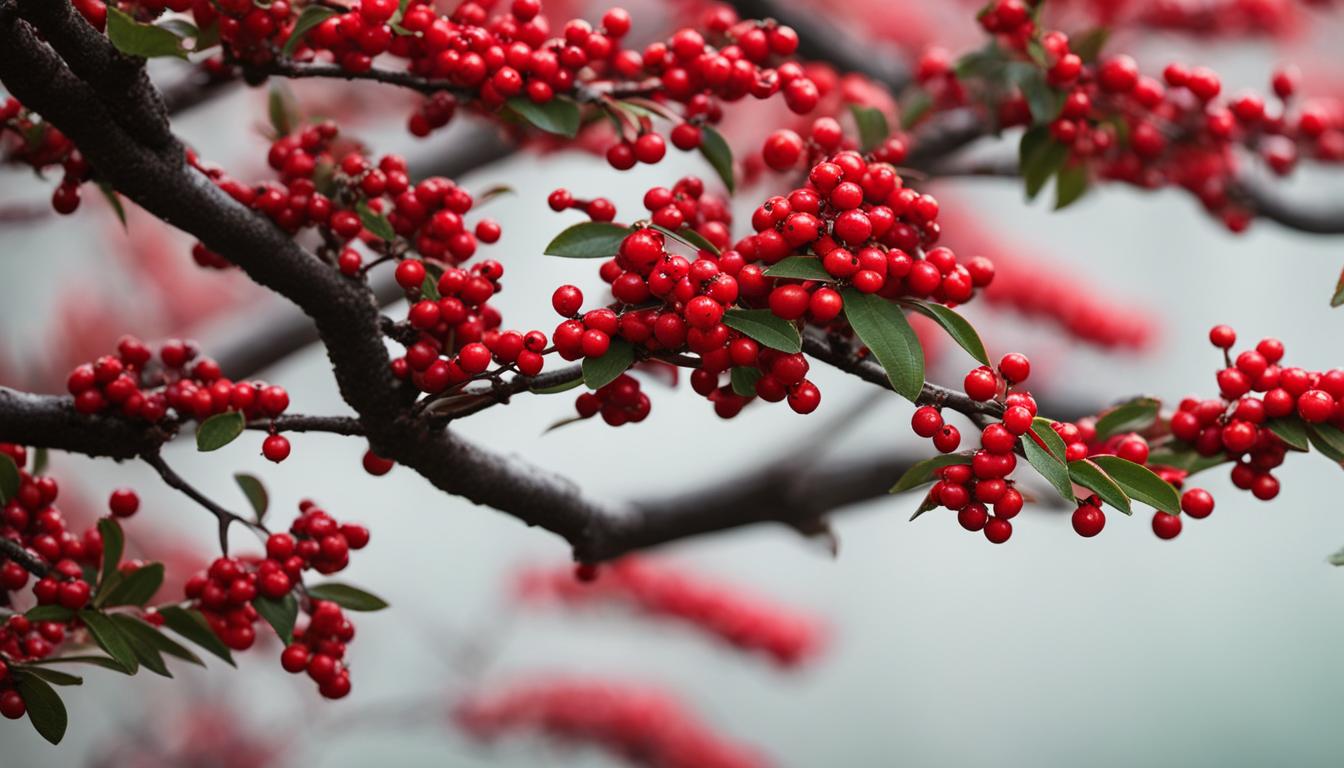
(619, 402)
(181, 381)
(26, 139)
(744, 621)
(784, 149)
(1181, 130)
(227, 591)
(644, 726)
(597, 209)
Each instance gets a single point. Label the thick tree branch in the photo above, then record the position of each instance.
(53, 422)
(1306, 217)
(13, 550)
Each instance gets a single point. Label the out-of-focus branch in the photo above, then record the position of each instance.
(1270, 204)
(13, 550)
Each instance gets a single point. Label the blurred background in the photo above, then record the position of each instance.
(1218, 648)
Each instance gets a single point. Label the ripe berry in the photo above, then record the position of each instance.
(1015, 368)
(567, 300)
(1223, 336)
(1197, 503)
(124, 502)
(275, 448)
(947, 439)
(410, 274)
(927, 421)
(782, 149)
(1315, 405)
(1166, 526)
(981, 384)
(998, 530)
(1088, 520)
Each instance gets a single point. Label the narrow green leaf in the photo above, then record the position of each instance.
(148, 635)
(800, 268)
(1141, 483)
(490, 193)
(51, 612)
(1087, 45)
(1290, 430)
(601, 371)
(1053, 443)
(881, 326)
(135, 589)
(110, 638)
(1043, 100)
(184, 29)
(1089, 475)
(255, 492)
(557, 388)
(1070, 184)
(1132, 416)
(690, 237)
(41, 458)
(114, 543)
(97, 661)
(872, 124)
(147, 654)
(719, 155)
(144, 40)
(589, 240)
(53, 676)
(562, 423)
(1328, 440)
(744, 380)
(9, 479)
(956, 326)
(1187, 460)
(280, 614)
(1039, 157)
(765, 327)
(113, 201)
(915, 106)
(346, 596)
(45, 710)
(208, 38)
(926, 471)
(311, 16)
(193, 626)
(1048, 464)
(1338, 298)
(375, 222)
(281, 110)
(219, 430)
(1337, 558)
(560, 115)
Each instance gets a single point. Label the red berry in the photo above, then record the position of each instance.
(275, 448)
(998, 530)
(1015, 368)
(410, 274)
(1088, 520)
(124, 502)
(1223, 336)
(1197, 503)
(927, 421)
(1166, 526)
(981, 384)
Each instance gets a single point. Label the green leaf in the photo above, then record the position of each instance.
(9, 479)
(1337, 558)
(145, 652)
(311, 16)
(184, 29)
(882, 327)
(1328, 440)
(1070, 184)
(255, 492)
(281, 109)
(97, 661)
(51, 612)
(1338, 298)
(114, 543)
(144, 40)
(914, 106)
(113, 201)
(562, 423)
(193, 626)
(1087, 45)
(146, 634)
(1187, 460)
(601, 371)
(956, 326)
(872, 124)
(589, 240)
(280, 614)
(208, 38)
(53, 676)
(564, 386)
(1290, 430)
(346, 596)
(1141, 484)
(219, 430)
(1039, 157)
(490, 193)
(926, 471)
(110, 639)
(560, 115)
(929, 503)
(987, 63)
(719, 155)
(800, 268)
(744, 380)
(136, 588)
(375, 222)
(1049, 461)
(690, 237)
(1089, 475)
(1043, 100)
(41, 458)
(1132, 416)
(765, 327)
(45, 710)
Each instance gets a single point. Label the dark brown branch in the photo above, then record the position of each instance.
(336, 425)
(1269, 204)
(224, 517)
(13, 550)
(296, 70)
(52, 421)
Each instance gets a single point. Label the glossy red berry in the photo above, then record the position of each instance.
(1166, 526)
(1088, 520)
(275, 448)
(124, 502)
(1197, 503)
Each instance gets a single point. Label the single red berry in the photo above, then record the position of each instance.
(410, 274)
(1015, 367)
(1223, 336)
(1166, 526)
(124, 502)
(998, 530)
(275, 448)
(376, 465)
(1088, 520)
(981, 384)
(1197, 503)
(927, 421)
